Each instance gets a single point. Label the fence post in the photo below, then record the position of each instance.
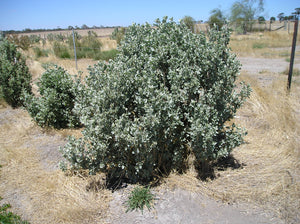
(293, 53)
(74, 48)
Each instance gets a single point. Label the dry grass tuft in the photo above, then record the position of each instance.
(108, 44)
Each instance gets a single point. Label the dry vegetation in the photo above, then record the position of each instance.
(265, 44)
(104, 32)
(266, 171)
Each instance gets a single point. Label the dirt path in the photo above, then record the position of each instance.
(181, 206)
(31, 181)
(261, 65)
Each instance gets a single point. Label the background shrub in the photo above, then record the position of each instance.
(14, 74)
(167, 94)
(54, 106)
(106, 55)
(118, 34)
(60, 50)
(40, 52)
(34, 39)
(24, 42)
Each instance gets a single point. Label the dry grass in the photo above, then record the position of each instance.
(265, 44)
(272, 157)
(104, 32)
(42, 196)
(35, 65)
(108, 44)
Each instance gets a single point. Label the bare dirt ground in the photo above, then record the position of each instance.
(38, 191)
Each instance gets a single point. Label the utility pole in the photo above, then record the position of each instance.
(74, 48)
(293, 50)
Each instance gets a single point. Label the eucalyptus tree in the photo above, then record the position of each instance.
(189, 22)
(245, 11)
(216, 18)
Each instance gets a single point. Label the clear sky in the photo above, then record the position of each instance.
(48, 14)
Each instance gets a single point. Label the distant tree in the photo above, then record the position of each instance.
(261, 20)
(216, 18)
(272, 20)
(70, 27)
(244, 11)
(280, 16)
(27, 30)
(84, 26)
(189, 22)
(296, 13)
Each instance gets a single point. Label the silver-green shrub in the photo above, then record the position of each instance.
(14, 74)
(54, 106)
(168, 94)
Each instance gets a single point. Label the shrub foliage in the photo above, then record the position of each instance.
(14, 74)
(53, 108)
(167, 94)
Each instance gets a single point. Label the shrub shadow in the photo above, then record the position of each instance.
(207, 171)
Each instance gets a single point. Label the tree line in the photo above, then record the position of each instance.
(243, 14)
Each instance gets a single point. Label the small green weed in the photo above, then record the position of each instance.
(139, 198)
(259, 45)
(263, 71)
(7, 217)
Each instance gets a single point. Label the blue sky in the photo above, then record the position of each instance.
(34, 14)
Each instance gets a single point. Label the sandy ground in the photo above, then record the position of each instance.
(181, 206)
(172, 205)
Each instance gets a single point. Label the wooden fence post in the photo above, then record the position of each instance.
(74, 48)
(293, 53)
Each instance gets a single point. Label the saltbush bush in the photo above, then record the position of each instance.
(14, 74)
(168, 94)
(53, 108)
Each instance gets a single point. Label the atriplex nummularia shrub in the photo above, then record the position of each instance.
(53, 108)
(14, 74)
(167, 94)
